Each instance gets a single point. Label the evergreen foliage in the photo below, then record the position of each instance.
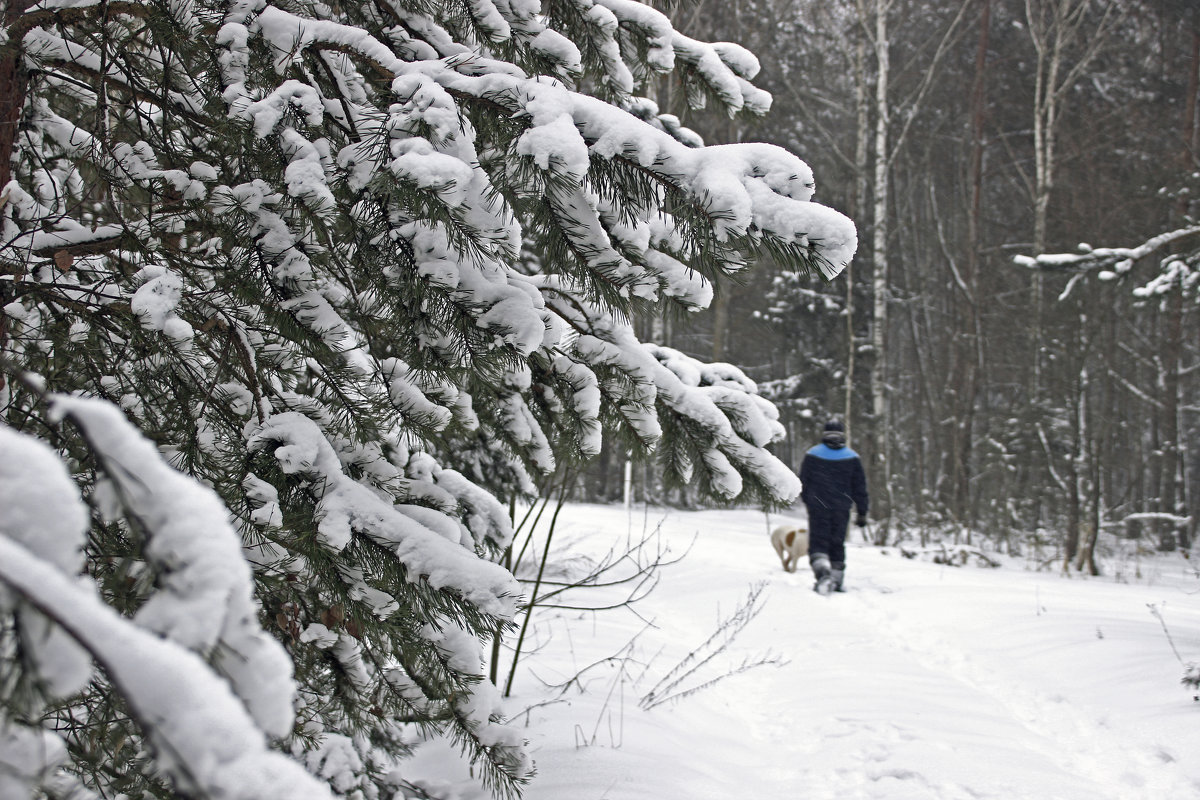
(363, 271)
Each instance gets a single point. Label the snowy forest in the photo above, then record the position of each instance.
(301, 303)
(1014, 345)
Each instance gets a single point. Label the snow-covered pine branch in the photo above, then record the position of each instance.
(207, 725)
(367, 272)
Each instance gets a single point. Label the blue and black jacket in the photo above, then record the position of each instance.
(833, 478)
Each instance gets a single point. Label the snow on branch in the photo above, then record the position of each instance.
(1119, 260)
(1177, 272)
(727, 423)
(347, 507)
(44, 514)
(745, 189)
(28, 759)
(1155, 516)
(201, 733)
(205, 602)
(737, 422)
(724, 69)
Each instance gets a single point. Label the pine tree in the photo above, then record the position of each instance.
(356, 275)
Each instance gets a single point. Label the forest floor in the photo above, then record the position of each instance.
(922, 682)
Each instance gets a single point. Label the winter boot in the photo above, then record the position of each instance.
(837, 576)
(823, 571)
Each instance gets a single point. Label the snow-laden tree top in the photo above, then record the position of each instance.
(366, 271)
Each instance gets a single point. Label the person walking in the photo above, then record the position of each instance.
(833, 481)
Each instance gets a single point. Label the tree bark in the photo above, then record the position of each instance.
(1074, 476)
(14, 85)
(1047, 43)
(861, 154)
(1178, 455)
(720, 325)
(1191, 130)
(969, 339)
(879, 258)
(1172, 460)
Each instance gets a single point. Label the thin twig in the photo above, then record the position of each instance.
(1162, 621)
(667, 689)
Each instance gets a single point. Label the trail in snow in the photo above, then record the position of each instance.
(923, 682)
(1089, 752)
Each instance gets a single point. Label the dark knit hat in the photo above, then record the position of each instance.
(835, 434)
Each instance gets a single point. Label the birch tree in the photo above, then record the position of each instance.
(1066, 36)
(886, 147)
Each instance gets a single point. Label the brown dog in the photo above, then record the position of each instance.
(791, 544)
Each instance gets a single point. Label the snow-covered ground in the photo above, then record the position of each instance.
(923, 681)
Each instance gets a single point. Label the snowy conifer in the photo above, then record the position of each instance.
(363, 271)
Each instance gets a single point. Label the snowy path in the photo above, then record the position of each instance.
(911, 716)
(1077, 753)
(924, 682)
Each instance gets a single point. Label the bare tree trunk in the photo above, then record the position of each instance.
(879, 257)
(1177, 454)
(14, 84)
(1191, 130)
(723, 299)
(1074, 507)
(1047, 44)
(658, 330)
(720, 325)
(1054, 28)
(887, 146)
(969, 337)
(862, 143)
(1172, 449)
(1084, 489)
(848, 405)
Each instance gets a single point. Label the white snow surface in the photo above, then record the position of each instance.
(921, 682)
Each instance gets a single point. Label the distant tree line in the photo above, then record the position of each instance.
(1035, 402)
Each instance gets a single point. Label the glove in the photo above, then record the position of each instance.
(861, 520)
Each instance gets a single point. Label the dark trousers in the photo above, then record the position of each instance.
(827, 533)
